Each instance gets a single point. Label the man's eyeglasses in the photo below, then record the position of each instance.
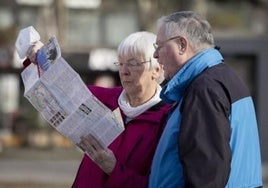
(131, 63)
(157, 47)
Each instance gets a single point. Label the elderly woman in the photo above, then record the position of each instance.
(127, 161)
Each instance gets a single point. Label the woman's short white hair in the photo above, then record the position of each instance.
(140, 45)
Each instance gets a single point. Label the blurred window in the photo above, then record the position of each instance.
(27, 16)
(245, 67)
(93, 28)
(83, 27)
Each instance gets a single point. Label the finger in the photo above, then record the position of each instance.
(31, 53)
(81, 146)
(94, 142)
(87, 145)
(85, 149)
(99, 160)
(90, 152)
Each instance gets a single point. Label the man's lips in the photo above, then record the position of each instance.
(126, 81)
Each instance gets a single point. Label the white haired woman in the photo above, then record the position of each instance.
(127, 161)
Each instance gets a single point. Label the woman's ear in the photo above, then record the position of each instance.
(156, 72)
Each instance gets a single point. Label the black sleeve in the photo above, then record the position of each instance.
(204, 137)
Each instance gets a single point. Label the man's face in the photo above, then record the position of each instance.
(167, 54)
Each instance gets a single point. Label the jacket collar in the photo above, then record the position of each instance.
(175, 88)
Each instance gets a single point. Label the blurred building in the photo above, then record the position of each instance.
(90, 30)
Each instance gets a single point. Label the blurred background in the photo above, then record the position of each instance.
(32, 154)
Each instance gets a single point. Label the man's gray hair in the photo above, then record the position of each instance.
(140, 44)
(195, 28)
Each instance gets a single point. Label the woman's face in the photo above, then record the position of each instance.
(134, 74)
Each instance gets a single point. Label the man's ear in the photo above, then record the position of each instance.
(182, 44)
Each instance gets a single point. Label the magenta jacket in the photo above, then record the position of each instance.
(134, 148)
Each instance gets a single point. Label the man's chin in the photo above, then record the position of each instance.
(167, 77)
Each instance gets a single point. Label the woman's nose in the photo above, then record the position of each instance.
(124, 69)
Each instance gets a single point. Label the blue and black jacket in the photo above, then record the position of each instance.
(211, 138)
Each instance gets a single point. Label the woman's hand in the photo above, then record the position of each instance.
(31, 53)
(103, 157)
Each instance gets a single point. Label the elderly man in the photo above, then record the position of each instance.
(211, 138)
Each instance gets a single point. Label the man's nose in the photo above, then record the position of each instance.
(156, 54)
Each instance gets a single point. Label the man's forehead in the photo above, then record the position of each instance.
(160, 34)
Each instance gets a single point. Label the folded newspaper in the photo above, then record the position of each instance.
(65, 102)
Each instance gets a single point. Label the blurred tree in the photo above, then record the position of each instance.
(7, 35)
(150, 10)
